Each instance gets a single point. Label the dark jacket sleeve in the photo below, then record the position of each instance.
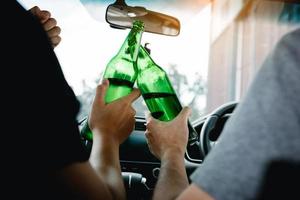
(43, 107)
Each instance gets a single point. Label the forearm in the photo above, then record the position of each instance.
(105, 160)
(172, 178)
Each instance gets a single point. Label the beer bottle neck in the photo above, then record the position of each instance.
(144, 60)
(131, 45)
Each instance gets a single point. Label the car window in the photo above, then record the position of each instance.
(220, 47)
(243, 33)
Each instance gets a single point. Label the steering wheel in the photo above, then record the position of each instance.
(213, 126)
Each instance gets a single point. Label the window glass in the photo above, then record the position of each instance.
(88, 43)
(213, 60)
(239, 50)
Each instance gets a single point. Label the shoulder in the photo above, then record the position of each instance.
(281, 68)
(288, 47)
(291, 37)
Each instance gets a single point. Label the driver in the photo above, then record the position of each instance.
(263, 130)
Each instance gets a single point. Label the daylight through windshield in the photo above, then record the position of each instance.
(212, 61)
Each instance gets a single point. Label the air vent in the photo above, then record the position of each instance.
(140, 123)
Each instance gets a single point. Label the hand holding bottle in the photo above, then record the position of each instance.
(120, 71)
(165, 138)
(158, 92)
(113, 121)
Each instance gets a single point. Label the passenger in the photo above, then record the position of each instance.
(42, 153)
(264, 129)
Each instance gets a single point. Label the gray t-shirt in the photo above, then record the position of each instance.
(265, 127)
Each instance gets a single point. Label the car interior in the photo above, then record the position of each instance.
(211, 51)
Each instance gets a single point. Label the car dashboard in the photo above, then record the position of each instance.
(140, 169)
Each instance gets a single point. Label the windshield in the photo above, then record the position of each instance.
(212, 61)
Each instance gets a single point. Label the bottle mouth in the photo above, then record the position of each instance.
(138, 24)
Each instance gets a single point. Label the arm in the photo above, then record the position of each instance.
(167, 141)
(110, 128)
(105, 160)
(172, 176)
(100, 177)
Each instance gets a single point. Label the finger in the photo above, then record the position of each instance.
(55, 31)
(147, 138)
(149, 147)
(35, 10)
(101, 91)
(55, 40)
(132, 112)
(185, 113)
(43, 16)
(134, 95)
(49, 24)
(147, 135)
(151, 122)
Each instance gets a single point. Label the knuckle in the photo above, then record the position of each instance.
(149, 124)
(124, 103)
(56, 40)
(57, 30)
(34, 9)
(47, 13)
(53, 21)
(147, 135)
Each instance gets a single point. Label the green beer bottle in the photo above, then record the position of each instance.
(157, 91)
(120, 70)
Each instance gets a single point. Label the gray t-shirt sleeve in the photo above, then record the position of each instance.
(265, 127)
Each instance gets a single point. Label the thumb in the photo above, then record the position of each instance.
(185, 113)
(101, 91)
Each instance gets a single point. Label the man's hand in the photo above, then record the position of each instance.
(111, 124)
(168, 138)
(49, 24)
(115, 120)
(167, 141)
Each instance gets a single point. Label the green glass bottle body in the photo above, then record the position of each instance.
(120, 70)
(157, 90)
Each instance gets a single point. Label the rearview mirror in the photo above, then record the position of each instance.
(122, 16)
